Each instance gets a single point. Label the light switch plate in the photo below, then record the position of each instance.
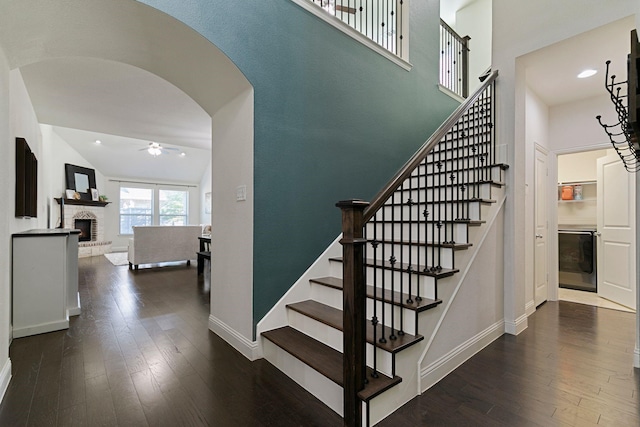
(241, 193)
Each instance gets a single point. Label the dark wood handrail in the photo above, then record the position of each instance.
(406, 170)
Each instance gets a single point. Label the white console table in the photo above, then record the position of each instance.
(45, 280)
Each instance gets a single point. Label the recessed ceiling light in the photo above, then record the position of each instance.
(587, 73)
(98, 141)
(183, 154)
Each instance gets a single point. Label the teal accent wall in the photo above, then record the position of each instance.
(333, 120)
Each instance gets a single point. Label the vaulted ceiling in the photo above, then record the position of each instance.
(122, 72)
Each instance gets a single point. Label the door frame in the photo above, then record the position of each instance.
(553, 210)
(550, 195)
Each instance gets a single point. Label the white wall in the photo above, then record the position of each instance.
(580, 166)
(574, 126)
(17, 118)
(7, 178)
(475, 21)
(24, 124)
(232, 223)
(58, 152)
(481, 290)
(520, 28)
(205, 187)
(536, 132)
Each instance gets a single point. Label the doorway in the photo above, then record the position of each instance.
(589, 201)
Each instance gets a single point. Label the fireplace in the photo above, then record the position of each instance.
(84, 225)
(76, 216)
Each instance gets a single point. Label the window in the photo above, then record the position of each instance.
(173, 207)
(136, 208)
(152, 206)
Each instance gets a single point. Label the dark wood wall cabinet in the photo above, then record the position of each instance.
(26, 180)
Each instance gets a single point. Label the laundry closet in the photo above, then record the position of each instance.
(578, 220)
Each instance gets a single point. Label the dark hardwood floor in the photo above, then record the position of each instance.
(141, 354)
(573, 366)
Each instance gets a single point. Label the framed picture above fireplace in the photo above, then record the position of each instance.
(81, 180)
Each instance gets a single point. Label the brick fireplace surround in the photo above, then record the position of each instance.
(98, 245)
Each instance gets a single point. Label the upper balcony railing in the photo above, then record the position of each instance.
(379, 20)
(454, 60)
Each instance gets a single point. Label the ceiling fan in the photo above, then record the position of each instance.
(155, 149)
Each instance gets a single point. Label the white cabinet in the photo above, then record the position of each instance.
(44, 280)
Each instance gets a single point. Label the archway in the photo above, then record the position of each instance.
(132, 33)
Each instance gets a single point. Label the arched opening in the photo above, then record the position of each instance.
(131, 33)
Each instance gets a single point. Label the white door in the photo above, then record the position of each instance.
(541, 271)
(616, 232)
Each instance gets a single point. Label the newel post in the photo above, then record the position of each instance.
(354, 308)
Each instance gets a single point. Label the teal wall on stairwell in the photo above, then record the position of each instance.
(333, 120)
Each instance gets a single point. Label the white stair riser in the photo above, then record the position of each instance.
(328, 392)
(458, 232)
(438, 211)
(333, 297)
(413, 255)
(408, 316)
(462, 148)
(414, 189)
(494, 172)
(464, 139)
(419, 282)
(334, 339)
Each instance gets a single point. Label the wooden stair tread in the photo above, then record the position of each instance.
(333, 317)
(437, 202)
(492, 182)
(398, 266)
(502, 166)
(325, 360)
(472, 222)
(391, 297)
(454, 246)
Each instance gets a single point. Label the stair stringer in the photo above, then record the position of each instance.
(409, 365)
(301, 290)
(439, 357)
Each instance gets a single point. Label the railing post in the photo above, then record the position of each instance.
(354, 308)
(465, 66)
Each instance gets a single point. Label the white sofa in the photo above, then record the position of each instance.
(153, 244)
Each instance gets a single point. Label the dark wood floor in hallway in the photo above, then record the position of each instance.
(141, 354)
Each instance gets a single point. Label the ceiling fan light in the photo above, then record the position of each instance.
(154, 150)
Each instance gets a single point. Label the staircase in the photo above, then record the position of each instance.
(405, 254)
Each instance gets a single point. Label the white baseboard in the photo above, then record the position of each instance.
(119, 248)
(40, 329)
(5, 377)
(530, 308)
(446, 364)
(514, 328)
(76, 310)
(246, 347)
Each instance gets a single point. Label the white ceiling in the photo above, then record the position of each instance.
(125, 94)
(125, 107)
(551, 72)
(448, 9)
